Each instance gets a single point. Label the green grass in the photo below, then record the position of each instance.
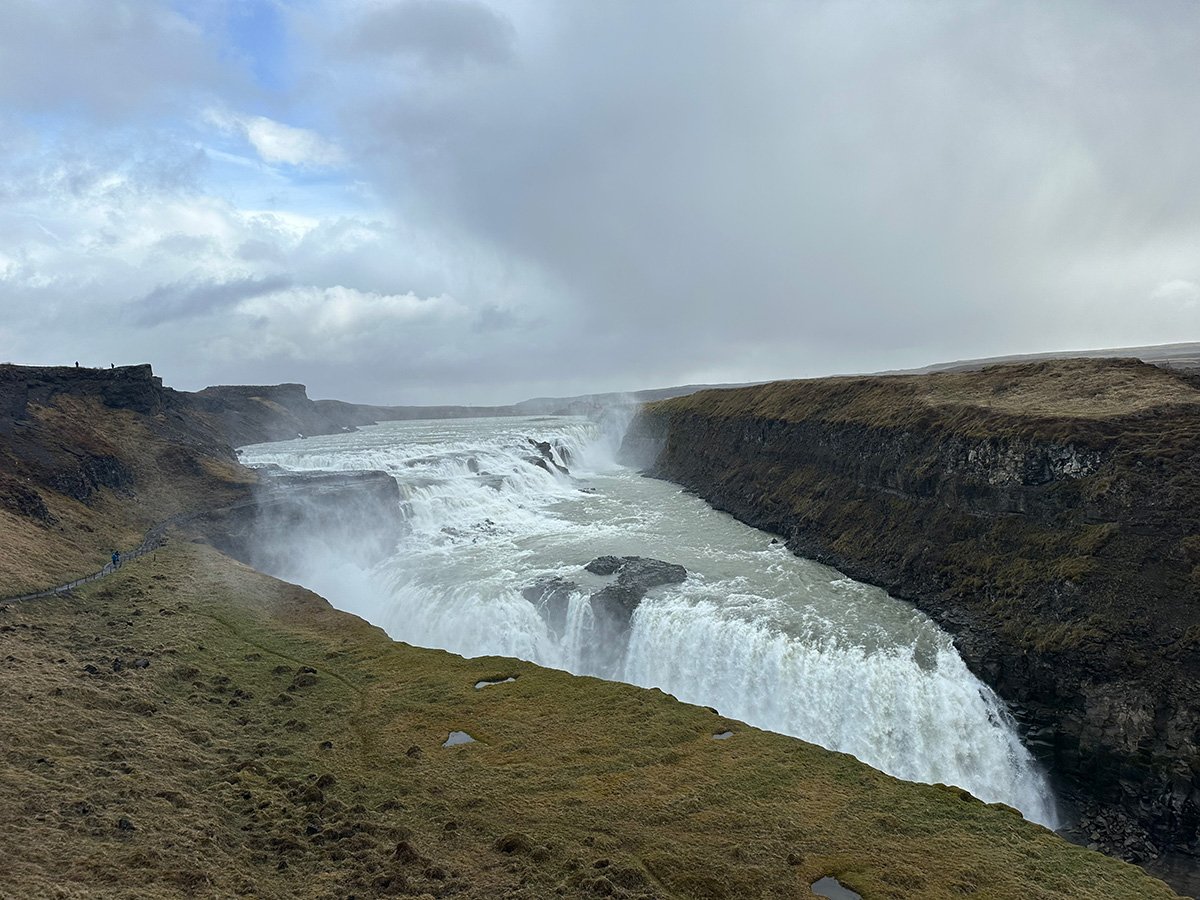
(576, 787)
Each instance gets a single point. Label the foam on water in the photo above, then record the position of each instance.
(779, 642)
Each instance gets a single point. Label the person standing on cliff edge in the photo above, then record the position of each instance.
(116, 559)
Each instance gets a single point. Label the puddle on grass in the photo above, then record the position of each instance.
(458, 737)
(833, 889)
(722, 735)
(480, 685)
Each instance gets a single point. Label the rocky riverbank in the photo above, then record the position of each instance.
(1048, 515)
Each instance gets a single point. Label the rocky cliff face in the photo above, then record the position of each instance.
(254, 414)
(1047, 515)
(92, 458)
(129, 387)
(290, 514)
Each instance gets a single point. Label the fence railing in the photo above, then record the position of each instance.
(156, 537)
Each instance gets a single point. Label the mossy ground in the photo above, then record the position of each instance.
(1092, 402)
(225, 767)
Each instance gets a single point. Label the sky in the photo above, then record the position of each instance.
(480, 201)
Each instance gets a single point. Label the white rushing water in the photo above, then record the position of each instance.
(780, 642)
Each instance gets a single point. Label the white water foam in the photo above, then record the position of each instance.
(780, 642)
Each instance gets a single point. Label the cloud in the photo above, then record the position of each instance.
(107, 60)
(436, 33)
(480, 201)
(276, 142)
(1179, 293)
(201, 297)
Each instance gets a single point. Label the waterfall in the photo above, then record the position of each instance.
(782, 643)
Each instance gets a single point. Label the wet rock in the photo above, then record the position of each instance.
(635, 576)
(547, 456)
(537, 461)
(552, 597)
(124, 824)
(604, 565)
(473, 465)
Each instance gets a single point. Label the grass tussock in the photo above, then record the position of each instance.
(252, 741)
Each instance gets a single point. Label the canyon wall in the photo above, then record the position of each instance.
(1048, 515)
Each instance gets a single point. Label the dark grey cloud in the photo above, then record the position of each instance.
(795, 188)
(201, 297)
(436, 33)
(493, 318)
(105, 59)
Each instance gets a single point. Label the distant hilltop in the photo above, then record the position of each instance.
(1167, 356)
(253, 414)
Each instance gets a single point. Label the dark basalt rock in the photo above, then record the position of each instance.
(547, 460)
(604, 565)
(551, 596)
(538, 461)
(1062, 553)
(135, 388)
(635, 576)
(90, 474)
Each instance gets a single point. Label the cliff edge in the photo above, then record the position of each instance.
(1047, 514)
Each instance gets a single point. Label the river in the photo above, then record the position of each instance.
(780, 642)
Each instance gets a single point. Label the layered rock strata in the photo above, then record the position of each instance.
(1048, 515)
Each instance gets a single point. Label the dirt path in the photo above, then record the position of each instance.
(155, 538)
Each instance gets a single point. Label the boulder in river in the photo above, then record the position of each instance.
(551, 596)
(635, 576)
(547, 452)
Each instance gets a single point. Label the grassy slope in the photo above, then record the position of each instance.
(214, 754)
(1051, 400)
(169, 479)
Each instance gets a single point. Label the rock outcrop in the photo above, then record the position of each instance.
(636, 575)
(289, 513)
(1047, 515)
(254, 414)
(612, 606)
